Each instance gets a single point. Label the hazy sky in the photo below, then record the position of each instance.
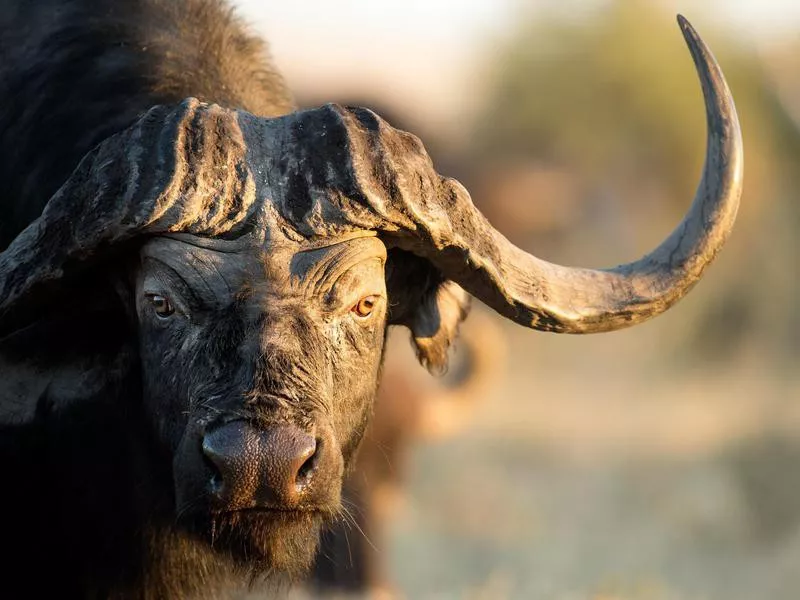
(421, 49)
(461, 19)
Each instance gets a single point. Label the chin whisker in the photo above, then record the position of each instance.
(352, 520)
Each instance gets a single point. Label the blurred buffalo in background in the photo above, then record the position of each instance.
(353, 555)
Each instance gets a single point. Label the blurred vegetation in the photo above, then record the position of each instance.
(611, 98)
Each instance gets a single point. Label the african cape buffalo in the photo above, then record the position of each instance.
(196, 280)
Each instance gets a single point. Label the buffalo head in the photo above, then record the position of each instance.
(233, 278)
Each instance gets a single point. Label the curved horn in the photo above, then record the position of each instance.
(359, 172)
(551, 297)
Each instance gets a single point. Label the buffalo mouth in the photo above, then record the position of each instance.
(212, 521)
(262, 538)
(276, 512)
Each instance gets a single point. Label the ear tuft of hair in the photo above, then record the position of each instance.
(431, 306)
(435, 324)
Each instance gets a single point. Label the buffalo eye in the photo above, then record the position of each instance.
(161, 305)
(365, 306)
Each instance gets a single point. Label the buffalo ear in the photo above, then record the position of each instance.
(77, 347)
(431, 306)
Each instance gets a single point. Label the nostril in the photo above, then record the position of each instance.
(306, 470)
(215, 481)
(215, 460)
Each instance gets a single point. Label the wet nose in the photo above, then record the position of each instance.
(259, 468)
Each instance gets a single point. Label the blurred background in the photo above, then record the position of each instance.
(655, 463)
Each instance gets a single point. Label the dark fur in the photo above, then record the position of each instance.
(90, 486)
(73, 72)
(93, 491)
(91, 476)
(83, 516)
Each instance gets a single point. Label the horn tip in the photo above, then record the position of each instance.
(688, 30)
(707, 67)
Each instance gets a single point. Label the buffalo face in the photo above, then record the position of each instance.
(259, 372)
